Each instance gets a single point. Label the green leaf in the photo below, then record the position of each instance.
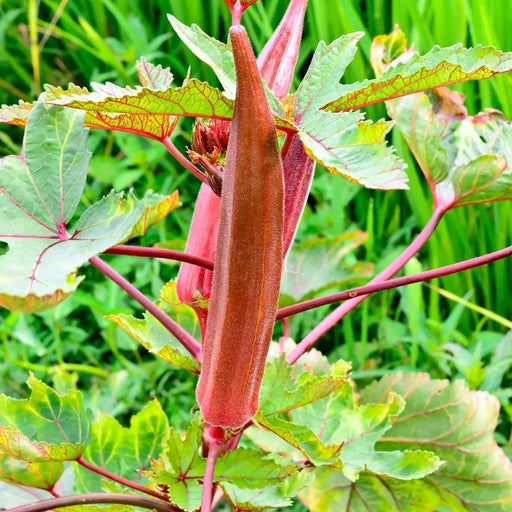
(297, 390)
(355, 149)
(343, 143)
(317, 264)
(153, 336)
(457, 425)
(39, 192)
(414, 73)
(324, 74)
(330, 491)
(181, 470)
(41, 475)
(154, 77)
(212, 52)
(123, 451)
(156, 207)
(46, 427)
(316, 431)
(145, 111)
(270, 496)
(465, 159)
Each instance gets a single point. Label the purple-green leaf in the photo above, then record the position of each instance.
(46, 427)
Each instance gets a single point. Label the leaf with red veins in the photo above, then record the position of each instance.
(154, 77)
(40, 475)
(16, 115)
(457, 425)
(39, 192)
(411, 73)
(465, 159)
(46, 427)
(142, 110)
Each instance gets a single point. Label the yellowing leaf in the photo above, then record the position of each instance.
(46, 427)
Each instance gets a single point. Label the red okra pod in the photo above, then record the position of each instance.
(249, 255)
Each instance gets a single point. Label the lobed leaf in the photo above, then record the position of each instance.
(343, 142)
(39, 192)
(40, 475)
(153, 336)
(457, 425)
(123, 451)
(466, 159)
(46, 427)
(141, 110)
(414, 73)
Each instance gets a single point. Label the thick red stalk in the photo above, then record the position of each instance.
(96, 498)
(248, 263)
(435, 273)
(331, 320)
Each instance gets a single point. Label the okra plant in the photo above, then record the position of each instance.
(275, 420)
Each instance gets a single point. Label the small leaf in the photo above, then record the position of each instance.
(46, 427)
(156, 207)
(457, 425)
(315, 265)
(212, 52)
(153, 336)
(154, 77)
(123, 451)
(297, 391)
(41, 475)
(414, 73)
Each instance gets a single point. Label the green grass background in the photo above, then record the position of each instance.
(56, 41)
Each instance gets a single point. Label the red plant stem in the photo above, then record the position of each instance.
(173, 327)
(96, 498)
(155, 252)
(394, 283)
(331, 320)
(120, 479)
(175, 152)
(215, 448)
(286, 144)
